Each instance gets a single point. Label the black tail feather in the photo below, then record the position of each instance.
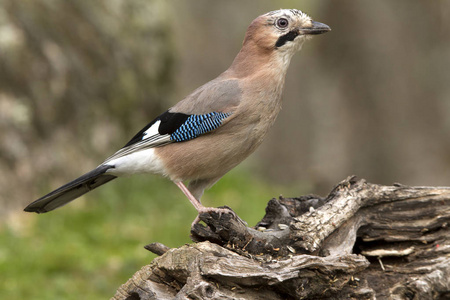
(71, 190)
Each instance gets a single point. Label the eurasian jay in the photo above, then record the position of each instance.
(216, 127)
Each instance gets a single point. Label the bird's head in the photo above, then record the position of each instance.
(283, 30)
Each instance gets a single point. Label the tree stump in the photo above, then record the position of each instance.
(363, 241)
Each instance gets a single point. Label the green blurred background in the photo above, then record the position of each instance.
(79, 78)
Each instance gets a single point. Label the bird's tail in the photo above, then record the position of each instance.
(71, 190)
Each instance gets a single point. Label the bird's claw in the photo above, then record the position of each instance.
(220, 211)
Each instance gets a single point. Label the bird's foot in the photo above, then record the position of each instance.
(218, 210)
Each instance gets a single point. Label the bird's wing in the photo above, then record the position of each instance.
(171, 128)
(221, 95)
(203, 111)
(148, 137)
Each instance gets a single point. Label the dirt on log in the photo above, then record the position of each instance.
(363, 241)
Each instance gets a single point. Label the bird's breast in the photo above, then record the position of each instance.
(214, 154)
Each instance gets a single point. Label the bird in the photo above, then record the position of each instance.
(217, 126)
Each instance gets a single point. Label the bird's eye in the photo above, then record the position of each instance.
(282, 23)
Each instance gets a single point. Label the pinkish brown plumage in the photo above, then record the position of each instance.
(216, 127)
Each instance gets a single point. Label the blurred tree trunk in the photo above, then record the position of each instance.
(369, 98)
(77, 79)
(363, 241)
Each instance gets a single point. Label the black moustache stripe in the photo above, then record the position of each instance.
(290, 36)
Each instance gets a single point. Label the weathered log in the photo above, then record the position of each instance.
(363, 241)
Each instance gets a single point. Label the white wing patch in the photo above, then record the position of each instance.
(152, 131)
(150, 139)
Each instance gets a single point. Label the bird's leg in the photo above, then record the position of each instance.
(198, 206)
(202, 209)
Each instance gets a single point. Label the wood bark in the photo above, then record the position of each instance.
(362, 241)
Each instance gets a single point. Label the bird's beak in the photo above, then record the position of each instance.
(316, 28)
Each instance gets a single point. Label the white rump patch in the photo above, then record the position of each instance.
(139, 162)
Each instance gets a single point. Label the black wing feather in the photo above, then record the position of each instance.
(169, 123)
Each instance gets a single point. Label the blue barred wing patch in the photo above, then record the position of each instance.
(196, 125)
